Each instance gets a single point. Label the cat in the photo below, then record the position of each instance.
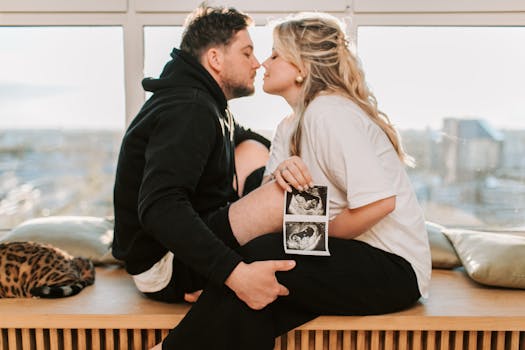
(29, 269)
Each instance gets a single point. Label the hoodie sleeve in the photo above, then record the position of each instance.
(242, 134)
(175, 157)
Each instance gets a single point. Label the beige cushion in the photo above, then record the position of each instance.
(443, 254)
(86, 236)
(495, 259)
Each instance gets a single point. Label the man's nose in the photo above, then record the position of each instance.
(256, 63)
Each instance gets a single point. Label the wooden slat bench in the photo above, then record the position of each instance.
(459, 314)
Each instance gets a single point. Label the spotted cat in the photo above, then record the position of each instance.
(29, 269)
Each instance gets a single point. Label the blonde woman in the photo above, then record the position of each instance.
(380, 259)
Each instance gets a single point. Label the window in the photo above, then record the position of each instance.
(62, 117)
(456, 94)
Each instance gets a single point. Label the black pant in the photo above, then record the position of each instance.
(357, 279)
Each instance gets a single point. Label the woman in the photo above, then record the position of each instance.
(380, 259)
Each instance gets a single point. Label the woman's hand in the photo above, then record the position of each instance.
(293, 171)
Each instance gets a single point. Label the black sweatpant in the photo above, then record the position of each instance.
(357, 279)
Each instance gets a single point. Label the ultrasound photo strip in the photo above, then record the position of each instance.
(305, 226)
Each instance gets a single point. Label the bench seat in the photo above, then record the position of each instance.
(112, 314)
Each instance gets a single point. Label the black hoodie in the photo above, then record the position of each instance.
(175, 165)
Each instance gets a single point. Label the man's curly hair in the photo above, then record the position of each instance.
(211, 26)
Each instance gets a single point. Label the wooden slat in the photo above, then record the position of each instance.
(416, 340)
(53, 339)
(26, 339)
(458, 341)
(444, 341)
(81, 336)
(332, 340)
(290, 341)
(500, 340)
(95, 338)
(403, 340)
(486, 341)
(11, 336)
(389, 340)
(150, 338)
(137, 339)
(431, 340)
(472, 340)
(305, 339)
(347, 339)
(68, 339)
(374, 342)
(361, 339)
(515, 341)
(110, 344)
(123, 339)
(318, 340)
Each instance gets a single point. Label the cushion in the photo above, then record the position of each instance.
(86, 236)
(443, 254)
(494, 259)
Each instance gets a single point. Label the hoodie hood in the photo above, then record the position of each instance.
(185, 71)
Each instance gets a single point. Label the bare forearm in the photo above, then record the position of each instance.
(350, 223)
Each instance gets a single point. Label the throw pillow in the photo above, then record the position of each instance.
(495, 259)
(443, 254)
(86, 236)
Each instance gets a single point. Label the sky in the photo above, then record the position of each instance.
(73, 77)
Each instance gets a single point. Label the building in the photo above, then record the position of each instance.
(472, 149)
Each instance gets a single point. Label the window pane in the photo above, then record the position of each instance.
(456, 94)
(61, 120)
(261, 111)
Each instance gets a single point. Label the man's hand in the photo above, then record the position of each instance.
(256, 284)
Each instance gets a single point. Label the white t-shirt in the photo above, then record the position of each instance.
(157, 277)
(344, 149)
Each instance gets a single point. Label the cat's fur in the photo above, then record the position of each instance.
(29, 269)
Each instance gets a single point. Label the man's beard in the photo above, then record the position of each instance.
(236, 90)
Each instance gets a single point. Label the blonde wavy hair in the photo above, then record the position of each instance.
(317, 45)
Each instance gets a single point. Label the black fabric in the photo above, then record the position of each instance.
(357, 279)
(175, 165)
(253, 180)
(184, 279)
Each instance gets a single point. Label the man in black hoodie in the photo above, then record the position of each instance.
(176, 171)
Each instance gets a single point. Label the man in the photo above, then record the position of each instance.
(174, 181)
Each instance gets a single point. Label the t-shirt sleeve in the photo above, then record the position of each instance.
(280, 149)
(347, 150)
